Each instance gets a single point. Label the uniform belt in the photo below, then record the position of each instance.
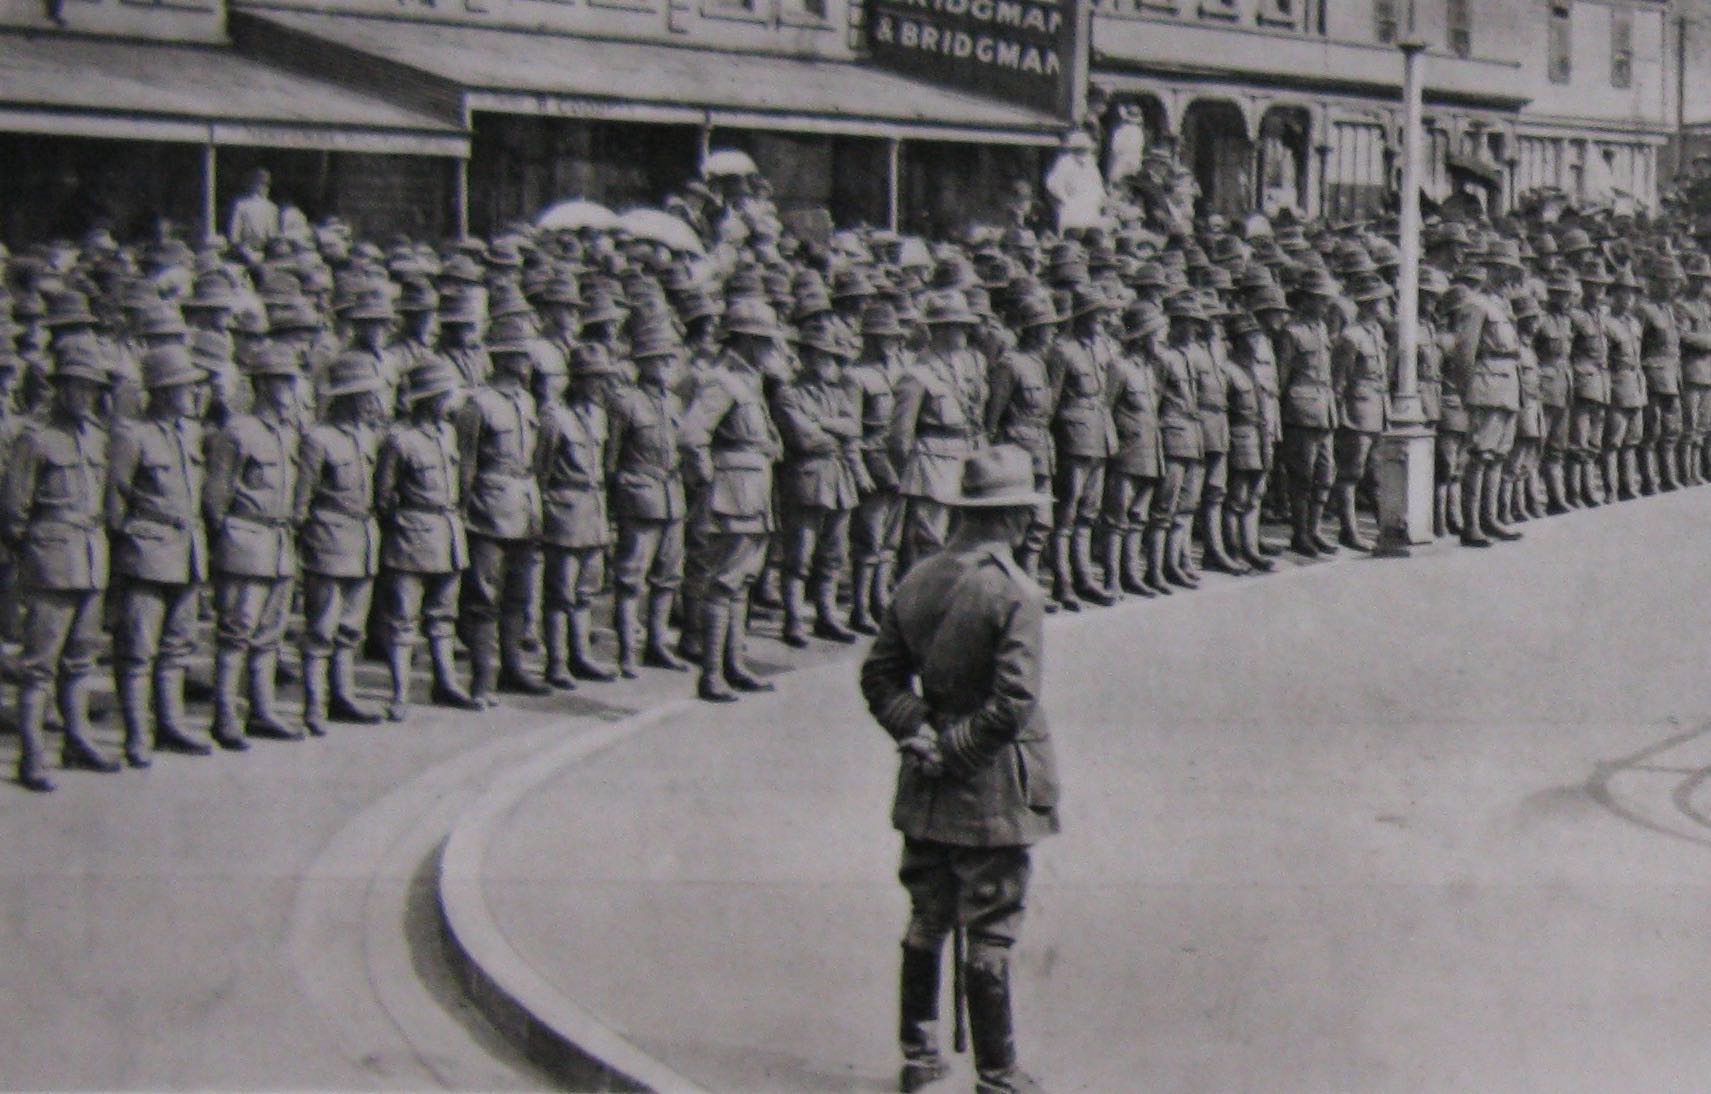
(256, 518)
(442, 510)
(941, 431)
(155, 516)
(85, 521)
(343, 510)
(505, 470)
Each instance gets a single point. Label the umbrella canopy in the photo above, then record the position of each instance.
(577, 214)
(661, 228)
(728, 161)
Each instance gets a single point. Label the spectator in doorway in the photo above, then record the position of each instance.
(255, 218)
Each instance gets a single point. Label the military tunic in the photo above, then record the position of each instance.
(1589, 355)
(820, 476)
(498, 435)
(934, 425)
(418, 486)
(251, 483)
(1660, 356)
(1309, 403)
(645, 462)
(877, 526)
(1083, 433)
(731, 445)
(338, 538)
(1694, 314)
(1554, 343)
(160, 550)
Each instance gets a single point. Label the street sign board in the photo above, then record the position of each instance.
(1028, 52)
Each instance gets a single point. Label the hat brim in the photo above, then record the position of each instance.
(1020, 499)
(968, 319)
(413, 397)
(358, 387)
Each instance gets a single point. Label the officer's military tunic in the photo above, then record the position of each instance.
(1360, 374)
(934, 425)
(160, 549)
(338, 536)
(1019, 411)
(251, 483)
(498, 434)
(418, 487)
(645, 463)
(1309, 403)
(876, 529)
(731, 443)
(820, 475)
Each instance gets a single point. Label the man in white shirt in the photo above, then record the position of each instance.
(1075, 185)
(255, 218)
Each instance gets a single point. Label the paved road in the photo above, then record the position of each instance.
(1440, 824)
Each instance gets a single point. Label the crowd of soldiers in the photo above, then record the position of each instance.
(370, 446)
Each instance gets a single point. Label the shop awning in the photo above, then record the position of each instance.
(130, 90)
(518, 72)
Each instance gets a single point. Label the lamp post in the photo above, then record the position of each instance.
(1405, 463)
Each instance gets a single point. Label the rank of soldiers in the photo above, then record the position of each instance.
(376, 449)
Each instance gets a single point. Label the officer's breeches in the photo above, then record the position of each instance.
(981, 889)
(251, 611)
(816, 542)
(62, 632)
(335, 612)
(1080, 489)
(649, 556)
(415, 603)
(499, 579)
(155, 625)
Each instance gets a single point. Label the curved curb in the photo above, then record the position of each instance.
(556, 1033)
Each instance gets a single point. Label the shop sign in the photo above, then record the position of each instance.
(1028, 52)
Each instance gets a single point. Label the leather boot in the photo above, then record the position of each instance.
(263, 721)
(1573, 487)
(1316, 521)
(689, 639)
(1133, 568)
(1349, 534)
(861, 584)
(1489, 503)
(1612, 475)
(342, 703)
(795, 632)
(737, 672)
(1646, 459)
(918, 1019)
(555, 622)
(883, 575)
(1536, 496)
(1213, 552)
(169, 732)
(582, 664)
(1692, 463)
(1592, 483)
(1173, 549)
(1630, 463)
(1556, 497)
(626, 625)
(315, 695)
(32, 713)
(656, 654)
(399, 660)
(1111, 559)
(133, 694)
(1472, 487)
(1185, 548)
(1301, 542)
(447, 692)
(991, 1033)
(1668, 465)
(1246, 526)
(1453, 508)
(1505, 501)
(768, 590)
(1063, 585)
(514, 677)
(715, 629)
(1440, 510)
(77, 750)
(1155, 579)
(484, 664)
(1081, 561)
(226, 729)
(826, 623)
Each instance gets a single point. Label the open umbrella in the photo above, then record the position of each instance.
(576, 214)
(728, 161)
(661, 228)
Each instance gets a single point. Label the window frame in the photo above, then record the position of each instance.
(1559, 42)
(1621, 46)
(1458, 27)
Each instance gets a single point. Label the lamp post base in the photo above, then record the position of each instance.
(1406, 457)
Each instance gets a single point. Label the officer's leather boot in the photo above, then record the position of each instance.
(1453, 507)
(1600, 489)
(1489, 518)
(1692, 466)
(1440, 509)
(826, 623)
(1185, 548)
(582, 663)
(1572, 486)
(918, 1011)
(715, 628)
(861, 621)
(689, 641)
(32, 713)
(78, 751)
(1174, 546)
(1213, 551)
(398, 663)
(1668, 465)
(1651, 479)
(342, 703)
(1472, 487)
(1134, 567)
(795, 633)
(447, 692)
(768, 597)
(882, 577)
(1063, 585)
(1631, 472)
(263, 720)
(514, 677)
(1082, 558)
(1155, 542)
(626, 624)
(1505, 501)
(484, 664)
(1555, 496)
(226, 729)
(169, 732)
(656, 653)
(1112, 550)
(315, 695)
(737, 672)
(1612, 475)
(1248, 536)
(132, 687)
(557, 673)
(989, 1020)
(1316, 521)
(1301, 542)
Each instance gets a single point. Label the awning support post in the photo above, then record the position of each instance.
(705, 136)
(210, 180)
(460, 195)
(893, 186)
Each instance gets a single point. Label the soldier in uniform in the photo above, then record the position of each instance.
(876, 528)
(1251, 440)
(160, 552)
(1661, 462)
(730, 444)
(51, 503)
(1309, 412)
(417, 306)
(1083, 438)
(338, 540)
(1179, 425)
(1553, 342)
(1589, 355)
(1209, 355)
(246, 501)
(645, 465)
(820, 479)
(369, 317)
(1132, 476)
(498, 430)
(459, 342)
(934, 425)
(1624, 418)
(418, 493)
(1694, 310)
(1515, 503)
(1019, 409)
(978, 782)
(1487, 360)
(1360, 371)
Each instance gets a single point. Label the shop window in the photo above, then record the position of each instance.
(1160, 7)
(1280, 13)
(1218, 9)
(1559, 40)
(1384, 20)
(1460, 19)
(806, 10)
(1621, 47)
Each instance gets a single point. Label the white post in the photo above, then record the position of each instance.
(893, 182)
(210, 180)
